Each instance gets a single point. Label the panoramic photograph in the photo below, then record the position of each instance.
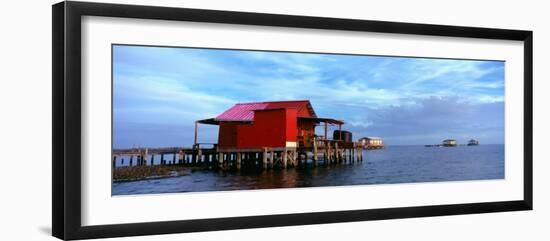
(201, 119)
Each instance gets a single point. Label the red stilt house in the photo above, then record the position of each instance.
(276, 124)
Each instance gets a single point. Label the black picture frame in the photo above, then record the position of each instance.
(66, 75)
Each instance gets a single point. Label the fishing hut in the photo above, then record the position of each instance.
(277, 133)
(449, 143)
(265, 135)
(473, 142)
(372, 142)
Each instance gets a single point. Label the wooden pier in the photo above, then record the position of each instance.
(207, 155)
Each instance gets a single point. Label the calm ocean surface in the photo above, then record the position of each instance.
(394, 164)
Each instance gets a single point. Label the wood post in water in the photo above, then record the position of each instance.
(295, 157)
(329, 153)
(285, 158)
(199, 155)
(239, 156)
(271, 159)
(180, 157)
(337, 152)
(314, 152)
(145, 156)
(220, 159)
(264, 158)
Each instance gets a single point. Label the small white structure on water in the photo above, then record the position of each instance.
(473, 142)
(449, 142)
(372, 142)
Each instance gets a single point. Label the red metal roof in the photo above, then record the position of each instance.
(245, 111)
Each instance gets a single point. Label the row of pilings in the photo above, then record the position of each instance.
(229, 159)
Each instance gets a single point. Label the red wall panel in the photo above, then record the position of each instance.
(271, 128)
(291, 116)
(227, 135)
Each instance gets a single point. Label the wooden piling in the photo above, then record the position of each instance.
(329, 153)
(195, 151)
(199, 155)
(220, 159)
(271, 159)
(145, 155)
(239, 156)
(337, 152)
(314, 152)
(180, 157)
(264, 158)
(295, 157)
(285, 158)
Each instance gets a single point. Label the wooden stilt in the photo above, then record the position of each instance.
(271, 159)
(239, 156)
(220, 159)
(145, 155)
(194, 154)
(314, 152)
(214, 158)
(295, 157)
(337, 152)
(199, 156)
(264, 158)
(329, 153)
(285, 158)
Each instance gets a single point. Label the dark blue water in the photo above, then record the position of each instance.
(394, 164)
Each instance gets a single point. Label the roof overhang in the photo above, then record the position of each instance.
(215, 121)
(319, 120)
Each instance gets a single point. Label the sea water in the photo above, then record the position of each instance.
(393, 164)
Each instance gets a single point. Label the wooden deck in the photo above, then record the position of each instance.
(208, 155)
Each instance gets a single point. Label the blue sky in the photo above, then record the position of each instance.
(159, 92)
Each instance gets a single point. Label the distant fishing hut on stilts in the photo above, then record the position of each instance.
(276, 134)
